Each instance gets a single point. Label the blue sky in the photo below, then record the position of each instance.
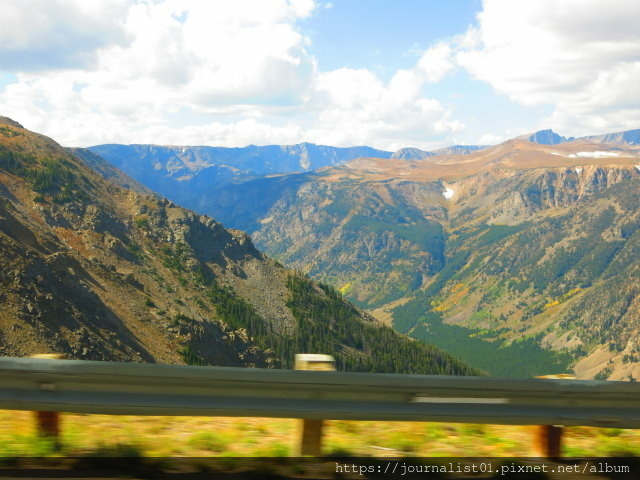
(383, 34)
(389, 74)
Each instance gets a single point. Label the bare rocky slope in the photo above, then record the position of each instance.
(101, 272)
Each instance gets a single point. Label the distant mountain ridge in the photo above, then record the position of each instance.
(629, 137)
(186, 174)
(459, 149)
(186, 161)
(180, 172)
(417, 154)
(411, 154)
(549, 137)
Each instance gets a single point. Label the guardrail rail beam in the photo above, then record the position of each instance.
(117, 388)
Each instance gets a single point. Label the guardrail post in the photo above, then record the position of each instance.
(548, 438)
(311, 436)
(48, 423)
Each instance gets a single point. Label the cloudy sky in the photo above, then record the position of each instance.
(389, 74)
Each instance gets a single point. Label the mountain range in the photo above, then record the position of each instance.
(177, 172)
(96, 267)
(520, 258)
(187, 174)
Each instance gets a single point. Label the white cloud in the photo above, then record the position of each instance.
(436, 62)
(146, 71)
(580, 56)
(209, 58)
(239, 68)
(357, 108)
(243, 132)
(221, 52)
(490, 139)
(37, 34)
(232, 72)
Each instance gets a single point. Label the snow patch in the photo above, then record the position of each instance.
(638, 167)
(304, 160)
(578, 170)
(448, 193)
(559, 154)
(598, 154)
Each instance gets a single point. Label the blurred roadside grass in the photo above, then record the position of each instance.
(105, 436)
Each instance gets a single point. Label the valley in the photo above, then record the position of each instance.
(520, 258)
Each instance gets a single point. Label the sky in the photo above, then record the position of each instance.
(384, 73)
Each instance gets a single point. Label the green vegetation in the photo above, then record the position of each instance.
(210, 441)
(523, 358)
(377, 237)
(237, 313)
(99, 438)
(47, 176)
(190, 357)
(518, 359)
(346, 289)
(495, 233)
(142, 222)
(175, 258)
(340, 206)
(603, 374)
(9, 132)
(426, 234)
(136, 251)
(325, 322)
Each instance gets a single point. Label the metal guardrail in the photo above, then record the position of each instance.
(78, 386)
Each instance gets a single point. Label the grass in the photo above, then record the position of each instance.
(261, 437)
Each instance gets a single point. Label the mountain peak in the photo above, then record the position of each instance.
(546, 137)
(411, 154)
(10, 122)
